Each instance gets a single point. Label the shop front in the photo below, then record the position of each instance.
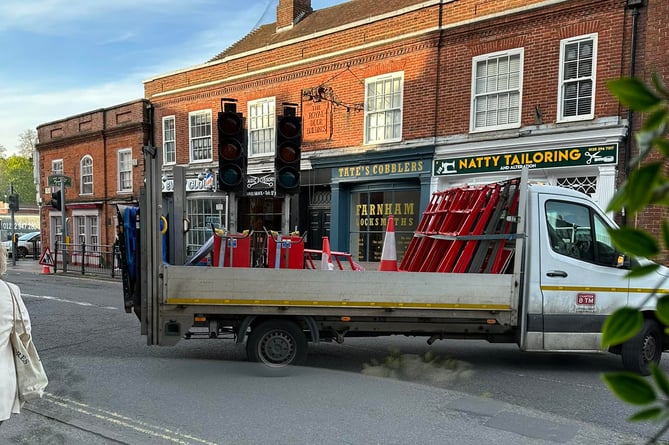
(367, 189)
(585, 161)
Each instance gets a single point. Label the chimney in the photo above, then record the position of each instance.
(289, 12)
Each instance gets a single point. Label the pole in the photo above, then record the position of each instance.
(63, 221)
(11, 222)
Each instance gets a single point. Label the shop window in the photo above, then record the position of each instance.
(204, 214)
(369, 215)
(583, 184)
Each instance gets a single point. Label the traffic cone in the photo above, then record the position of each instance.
(326, 257)
(389, 252)
(46, 269)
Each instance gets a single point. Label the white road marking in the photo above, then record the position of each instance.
(121, 420)
(64, 300)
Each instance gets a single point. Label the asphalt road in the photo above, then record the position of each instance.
(107, 386)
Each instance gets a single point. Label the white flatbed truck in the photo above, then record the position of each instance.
(562, 280)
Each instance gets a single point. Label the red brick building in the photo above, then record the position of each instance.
(398, 99)
(99, 154)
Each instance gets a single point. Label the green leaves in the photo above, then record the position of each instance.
(632, 388)
(662, 310)
(633, 93)
(646, 186)
(620, 326)
(637, 390)
(634, 242)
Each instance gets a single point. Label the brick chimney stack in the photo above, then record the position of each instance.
(289, 12)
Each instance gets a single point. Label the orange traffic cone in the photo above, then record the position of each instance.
(326, 257)
(389, 252)
(46, 269)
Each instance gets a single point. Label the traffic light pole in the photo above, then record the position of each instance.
(63, 221)
(11, 222)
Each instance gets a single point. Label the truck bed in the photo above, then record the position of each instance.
(390, 292)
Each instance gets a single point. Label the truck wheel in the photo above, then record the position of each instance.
(22, 252)
(646, 347)
(277, 343)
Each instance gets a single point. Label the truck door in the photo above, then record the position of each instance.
(581, 282)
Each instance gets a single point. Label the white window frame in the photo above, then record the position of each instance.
(57, 167)
(378, 110)
(261, 125)
(199, 136)
(562, 82)
(86, 175)
(491, 96)
(169, 140)
(124, 165)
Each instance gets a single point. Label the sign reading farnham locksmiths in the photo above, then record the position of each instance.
(561, 157)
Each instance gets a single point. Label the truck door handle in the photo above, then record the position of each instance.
(557, 273)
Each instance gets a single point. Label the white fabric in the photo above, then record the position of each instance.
(9, 398)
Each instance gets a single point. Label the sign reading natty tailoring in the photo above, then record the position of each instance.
(562, 157)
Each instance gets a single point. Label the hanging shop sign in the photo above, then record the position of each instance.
(260, 185)
(562, 157)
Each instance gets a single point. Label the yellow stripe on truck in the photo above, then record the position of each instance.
(634, 290)
(316, 303)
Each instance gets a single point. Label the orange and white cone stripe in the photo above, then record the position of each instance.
(326, 257)
(389, 252)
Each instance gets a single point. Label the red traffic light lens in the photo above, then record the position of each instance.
(289, 127)
(229, 150)
(229, 124)
(287, 153)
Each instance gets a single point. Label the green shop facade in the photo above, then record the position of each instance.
(366, 188)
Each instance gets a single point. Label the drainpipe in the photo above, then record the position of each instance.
(635, 5)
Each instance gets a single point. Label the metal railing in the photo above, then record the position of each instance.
(88, 259)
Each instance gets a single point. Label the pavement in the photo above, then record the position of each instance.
(467, 419)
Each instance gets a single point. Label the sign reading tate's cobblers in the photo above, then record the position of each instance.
(563, 157)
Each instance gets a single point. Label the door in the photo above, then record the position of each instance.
(581, 280)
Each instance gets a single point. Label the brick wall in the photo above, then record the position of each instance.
(99, 134)
(652, 58)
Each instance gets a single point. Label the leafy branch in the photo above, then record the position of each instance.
(646, 186)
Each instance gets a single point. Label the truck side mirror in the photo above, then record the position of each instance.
(623, 261)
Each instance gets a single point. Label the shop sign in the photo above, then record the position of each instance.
(192, 185)
(315, 121)
(380, 169)
(260, 185)
(563, 157)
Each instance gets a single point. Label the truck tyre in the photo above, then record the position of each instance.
(646, 347)
(22, 252)
(277, 343)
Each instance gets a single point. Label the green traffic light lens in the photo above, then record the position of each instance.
(230, 176)
(288, 178)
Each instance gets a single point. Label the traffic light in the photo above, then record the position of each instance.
(57, 199)
(14, 202)
(288, 152)
(231, 151)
